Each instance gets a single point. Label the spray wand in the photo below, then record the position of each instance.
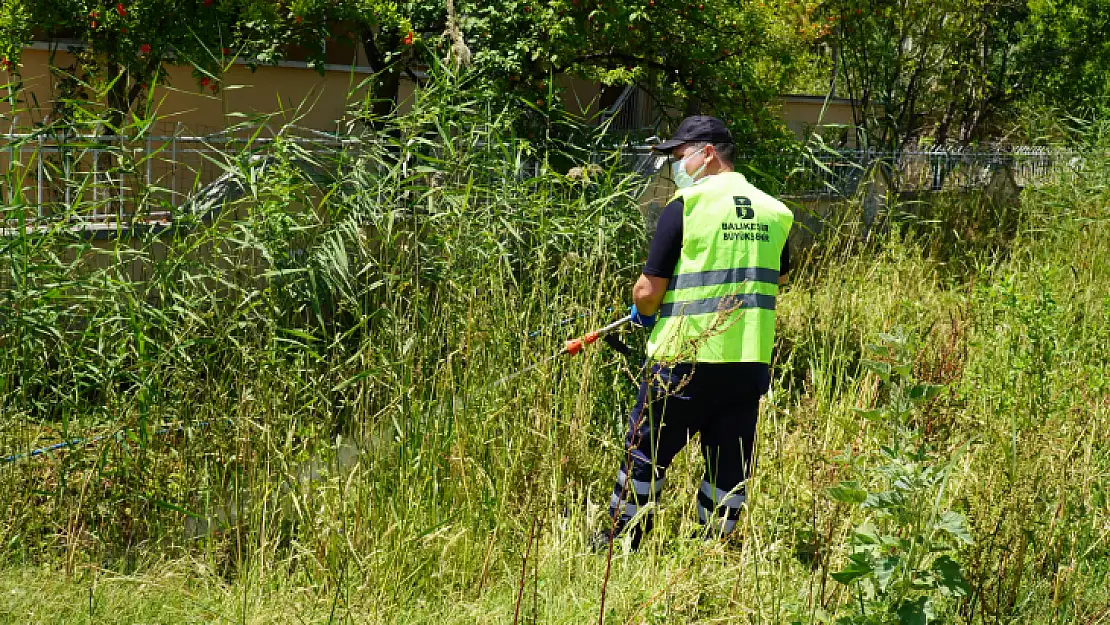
(573, 346)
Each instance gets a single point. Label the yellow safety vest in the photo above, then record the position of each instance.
(720, 304)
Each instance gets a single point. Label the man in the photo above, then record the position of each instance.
(716, 261)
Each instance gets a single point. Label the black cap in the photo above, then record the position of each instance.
(695, 129)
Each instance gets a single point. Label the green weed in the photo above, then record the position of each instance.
(289, 414)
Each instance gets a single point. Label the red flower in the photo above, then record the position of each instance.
(94, 24)
(7, 65)
(123, 30)
(204, 81)
(207, 3)
(225, 51)
(144, 49)
(213, 87)
(122, 10)
(408, 39)
(298, 19)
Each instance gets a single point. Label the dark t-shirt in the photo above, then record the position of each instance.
(667, 244)
(663, 258)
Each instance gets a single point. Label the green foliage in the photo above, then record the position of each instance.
(1070, 51)
(934, 71)
(903, 565)
(730, 59)
(909, 63)
(327, 343)
(128, 44)
(15, 28)
(957, 72)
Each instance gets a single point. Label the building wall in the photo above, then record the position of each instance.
(292, 94)
(803, 114)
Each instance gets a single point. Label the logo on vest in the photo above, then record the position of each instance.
(744, 208)
(751, 230)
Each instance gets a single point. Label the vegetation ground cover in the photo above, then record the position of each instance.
(932, 450)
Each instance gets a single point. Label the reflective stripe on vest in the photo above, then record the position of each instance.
(724, 276)
(725, 303)
(720, 304)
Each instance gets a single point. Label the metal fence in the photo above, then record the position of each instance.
(840, 173)
(105, 178)
(633, 112)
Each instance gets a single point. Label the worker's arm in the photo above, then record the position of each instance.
(784, 264)
(662, 258)
(648, 293)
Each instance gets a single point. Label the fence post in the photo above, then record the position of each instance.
(11, 153)
(96, 178)
(173, 162)
(11, 165)
(38, 155)
(67, 168)
(121, 207)
(148, 158)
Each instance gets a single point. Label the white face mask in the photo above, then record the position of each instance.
(679, 175)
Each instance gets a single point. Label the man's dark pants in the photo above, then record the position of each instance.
(719, 401)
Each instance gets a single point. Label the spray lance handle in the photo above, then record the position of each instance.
(574, 346)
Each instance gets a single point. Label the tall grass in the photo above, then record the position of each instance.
(300, 422)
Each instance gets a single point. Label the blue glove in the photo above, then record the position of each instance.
(639, 319)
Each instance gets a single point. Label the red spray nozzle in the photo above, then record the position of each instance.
(574, 346)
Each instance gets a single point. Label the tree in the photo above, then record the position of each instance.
(960, 69)
(1069, 50)
(984, 76)
(127, 43)
(726, 57)
(891, 55)
(723, 56)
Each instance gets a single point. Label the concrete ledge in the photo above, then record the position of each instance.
(92, 230)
